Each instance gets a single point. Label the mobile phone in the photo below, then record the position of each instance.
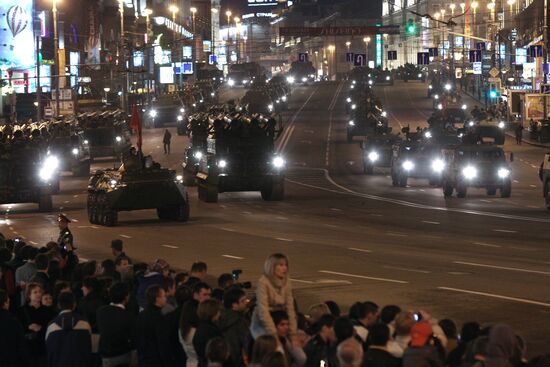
(417, 316)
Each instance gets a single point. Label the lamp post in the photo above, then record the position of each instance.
(174, 9)
(214, 11)
(453, 7)
(56, 54)
(237, 29)
(367, 41)
(148, 13)
(331, 48)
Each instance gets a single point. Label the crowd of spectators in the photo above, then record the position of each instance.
(57, 311)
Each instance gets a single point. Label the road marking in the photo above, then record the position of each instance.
(492, 295)
(284, 239)
(502, 268)
(290, 126)
(329, 134)
(396, 234)
(332, 226)
(534, 166)
(125, 236)
(302, 281)
(247, 213)
(66, 202)
(457, 273)
(533, 207)
(227, 229)
(430, 222)
(82, 260)
(516, 181)
(522, 248)
(486, 201)
(363, 277)
(504, 231)
(336, 209)
(359, 249)
(33, 243)
(307, 142)
(74, 220)
(534, 186)
(75, 196)
(486, 244)
(406, 269)
(376, 215)
(169, 246)
(281, 218)
(233, 257)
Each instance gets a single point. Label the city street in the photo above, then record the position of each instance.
(349, 236)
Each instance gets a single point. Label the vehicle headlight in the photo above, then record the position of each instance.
(471, 123)
(180, 118)
(284, 98)
(373, 156)
(436, 96)
(387, 78)
(384, 114)
(212, 94)
(182, 110)
(75, 151)
(408, 165)
(278, 162)
(351, 123)
(420, 75)
(370, 82)
(290, 79)
(245, 81)
(118, 139)
(428, 134)
(503, 172)
(430, 87)
(469, 172)
(222, 163)
(179, 178)
(48, 168)
(352, 87)
(86, 142)
(201, 101)
(113, 183)
(153, 113)
(270, 107)
(501, 125)
(198, 155)
(353, 81)
(348, 100)
(448, 86)
(353, 106)
(304, 79)
(464, 106)
(438, 165)
(440, 106)
(230, 82)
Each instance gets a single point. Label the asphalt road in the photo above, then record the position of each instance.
(349, 236)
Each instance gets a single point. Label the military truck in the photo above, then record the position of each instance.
(163, 110)
(241, 156)
(477, 166)
(106, 133)
(198, 133)
(73, 151)
(136, 186)
(366, 119)
(377, 151)
(258, 100)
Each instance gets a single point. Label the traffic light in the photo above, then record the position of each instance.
(411, 29)
(493, 94)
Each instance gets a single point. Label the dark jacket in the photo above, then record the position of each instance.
(69, 341)
(153, 344)
(44, 280)
(116, 328)
(205, 331)
(426, 356)
(317, 350)
(13, 348)
(42, 316)
(380, 358)
(235, 329)
(144, 282)
(88, 307)
(173, 320)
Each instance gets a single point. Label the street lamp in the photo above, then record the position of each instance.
(193, 12)
(367, 41)
(174, 9)
(148, 13)
(56, 54)
(452, 6)
(237, 34)
(474, 6)
(348, 43)
(511, 3)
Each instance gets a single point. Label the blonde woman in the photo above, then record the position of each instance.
(273, 293)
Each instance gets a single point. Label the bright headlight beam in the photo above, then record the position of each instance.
(75, 151)
(438, 165)
(222, 163)
(501, 125)
(469, 172)
(278, 162)
(118, 139)
(153, 113)
(351, 123)
(373, 156)
(503, 172)
(448, 86)
(408, 165)
(197, 155)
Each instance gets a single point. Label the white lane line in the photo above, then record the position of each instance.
(396, 234)
(33, 243)
(533, 207)
(82, 260)
(247, 213)
(336, 209)
(359, 249)
(329, 134)
(74, 220)
(486, 201)
(504, 231)
(516, 181)
(227, 229)
(281, 218)
(331, 225)
(169, 246)
(125, 236)
(376, 215)
(66, 202)
(486, 244)
(290, 126)
(302, 281)
(363, 277)
(522, 248)
(430, 222)
(233, 257)
(406, 269)
(534, 166)
(492, 295)
(284, 239)
(457, 273)
(502, 268)
(534, 186)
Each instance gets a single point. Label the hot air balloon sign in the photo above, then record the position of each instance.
(17, 20)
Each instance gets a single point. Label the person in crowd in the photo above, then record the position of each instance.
(316, 311)
(363, 315)
(273, 292)
(189, 321)
(13, 347)
(153, 345)
(169, 286)
(343, 329)
(153, 276)
(334, 308)
(519, 133)
(504, 347)
(234, 324)
(198, 272)
(208, 313)
(91, 301)
(217, 352)
(47, 300)
(116, 327)
(166, 139)
(404, 321)
(274, 359)
(123, 267)
(182, 295)
(60, 287)
(377, 355)
(388, 314)
(7, 274)
(41, 276)
(476, 352)
(350, 353)
(293, 350)
(34, 318)
(26, 272)
(68, 337)
(321, 347)
(117, 248)
(423, 349)
(469, 331)
(108, 270)
(263, 345)
(65, 236)
(451, 334)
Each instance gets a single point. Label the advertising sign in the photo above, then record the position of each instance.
(17, 48)
(166, 75)
(337, 31)
(263, 2)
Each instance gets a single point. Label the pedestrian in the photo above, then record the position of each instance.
(377, 355)
(23, 274)
(273, 292)
(234, 325)
(263, 345)
(424, 349)
(217, 352)
(321, 347)
(294, 352)
(65, 241)
(68, 338)
(166, 141)
(65, 236)
(350, 353)
(13, 347)
(519, 133)
(41, 276)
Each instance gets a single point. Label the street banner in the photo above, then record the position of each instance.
(337, 31)
(93, 44)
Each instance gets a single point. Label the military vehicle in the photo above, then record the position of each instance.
(477, 166)
(106, 133)
(198, 127)
(136, 186)
(488, 130)
(241, 156)
(73, 151)
(412, 72)
(382, 77)
(302, 72)
(27, 173)
(366, 119)
(258, 100)
(378, 150)
(163, 110)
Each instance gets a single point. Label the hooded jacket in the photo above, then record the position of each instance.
(503, 346)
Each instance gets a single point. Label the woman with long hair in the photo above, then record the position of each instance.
(209, 314)
(273, 293)
(263, 346)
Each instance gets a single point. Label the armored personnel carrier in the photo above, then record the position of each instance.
(134, 187)
(72, 149)
(106, 133)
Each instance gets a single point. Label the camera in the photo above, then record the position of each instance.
(235, 275)
(417, 316)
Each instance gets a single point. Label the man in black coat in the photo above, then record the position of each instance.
(183, 294)
(13, 348)
(321, 346)
(234, 325)
(116, 326)
(153, 343)
(41, 277)
(378, 355)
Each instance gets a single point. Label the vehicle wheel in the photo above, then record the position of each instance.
(447, 189)
(368, 169)
(182, 214)
(188, 179)
(83, 170)
(45, 203)
(435, 182)
(506, 190)
(403, 181)
(461, 191)
(547, 194)
(208, 193)
(91, 205)
(162, 213)
(350, 138)
(110, 217)
(491, 191)
(394, 180)
(273, 191)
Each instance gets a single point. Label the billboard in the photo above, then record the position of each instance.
(263, 2)
(17, 49)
